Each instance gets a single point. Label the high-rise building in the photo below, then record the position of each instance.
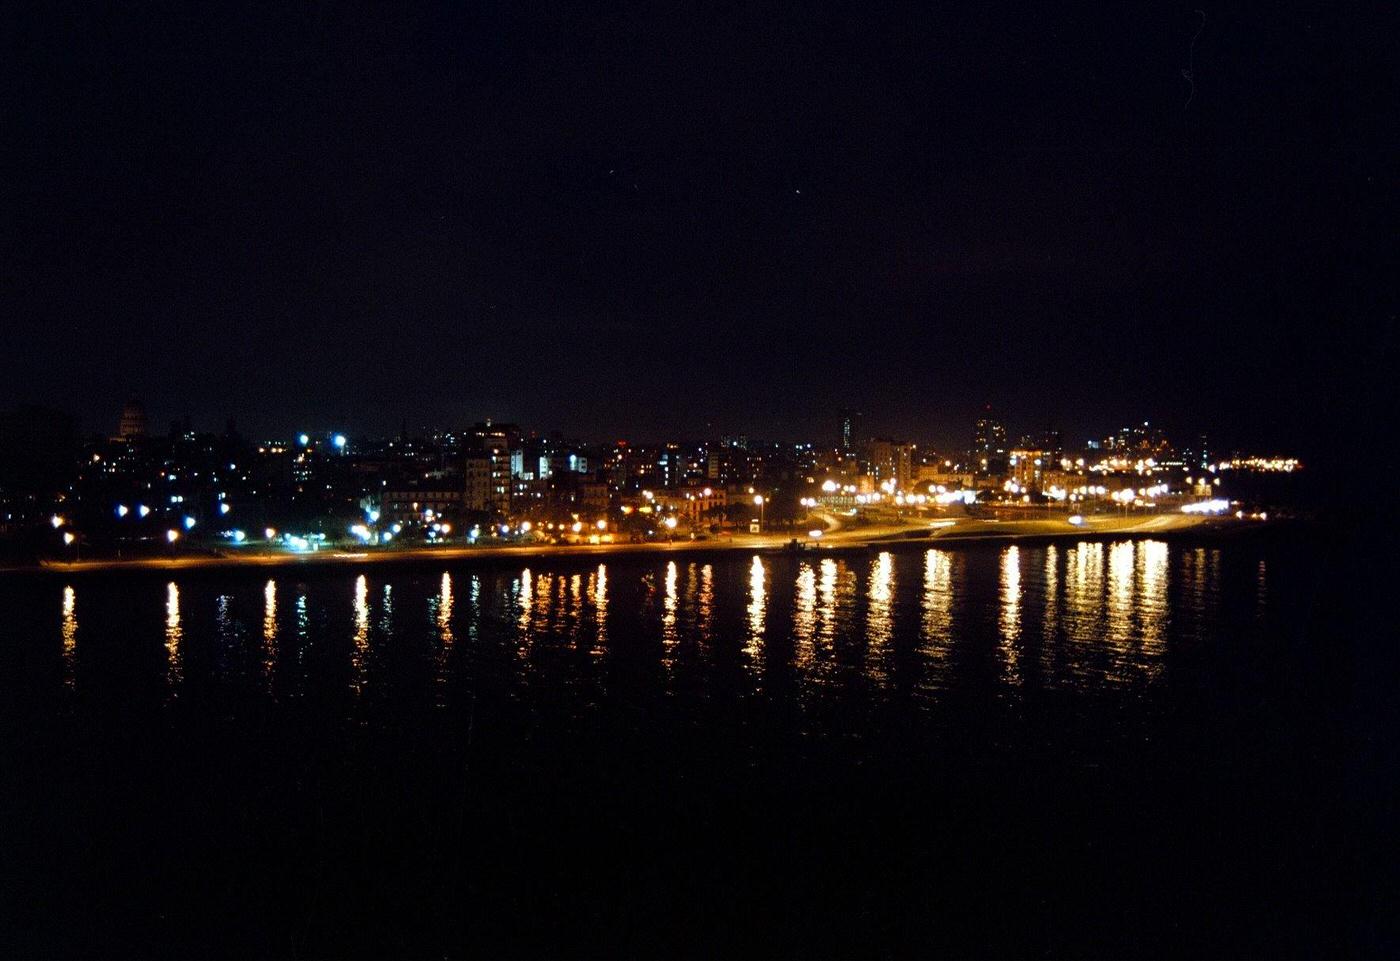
(989, 436)
(850, 429)
(989, 445)
(495, 442)
(133, 420)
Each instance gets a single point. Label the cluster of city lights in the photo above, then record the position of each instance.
(1280, 465)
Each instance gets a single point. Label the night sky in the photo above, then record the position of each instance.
(687, 220)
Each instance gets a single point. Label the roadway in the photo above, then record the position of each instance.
(837, 535)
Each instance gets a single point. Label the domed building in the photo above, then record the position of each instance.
(133, 422)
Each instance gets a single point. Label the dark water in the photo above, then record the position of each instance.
(1086, 749)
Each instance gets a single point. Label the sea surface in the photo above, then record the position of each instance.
(1103, 748)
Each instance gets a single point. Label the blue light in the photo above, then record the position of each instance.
(304, 439)
(189, 522)
(339, 441)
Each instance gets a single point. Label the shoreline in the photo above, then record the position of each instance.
(848, 541)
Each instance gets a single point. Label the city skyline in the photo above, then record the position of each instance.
(634, 223)
(830, 434)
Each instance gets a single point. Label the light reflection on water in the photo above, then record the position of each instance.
(804, 618)
(600, 605)
(1010, 619)
(174, 634)
(879, 616)
(442, 619)
(1086, 616)
(1050, 619)
(70, 636)
(669, 636)
(269, 638)
(936, 638)
(1154, 611)
(1120, 592)
(360, 651)
(705, 602)
(757, 609)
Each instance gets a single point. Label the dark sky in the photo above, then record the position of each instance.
(690, 218)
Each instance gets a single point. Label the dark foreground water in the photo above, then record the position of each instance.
(1084, 749)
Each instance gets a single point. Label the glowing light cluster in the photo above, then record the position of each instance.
(1272, 465)
(1213, 506)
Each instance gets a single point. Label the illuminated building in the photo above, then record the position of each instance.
(1028, 467)
(133, 421)
(477, 482)
(696, 506)
(850, 429)
(892, 460)
(433, 501)
(989, 446)
(495, 442)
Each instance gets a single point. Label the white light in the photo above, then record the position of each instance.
(304, 439)
(239, 537)
(224, 508)
(57, 521)
(1215, 506)
(172, 535)
(339, 441)
(670, 522)
(269, 533)
(189, 522)
(814, 534)
(68, 537)
(142, 509)
(1076, 520)
(122, 510)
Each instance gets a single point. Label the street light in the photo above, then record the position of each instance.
(758, 500)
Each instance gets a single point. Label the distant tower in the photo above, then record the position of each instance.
(989, 444)
(133, 422)
(989, 436)
(850, 429)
